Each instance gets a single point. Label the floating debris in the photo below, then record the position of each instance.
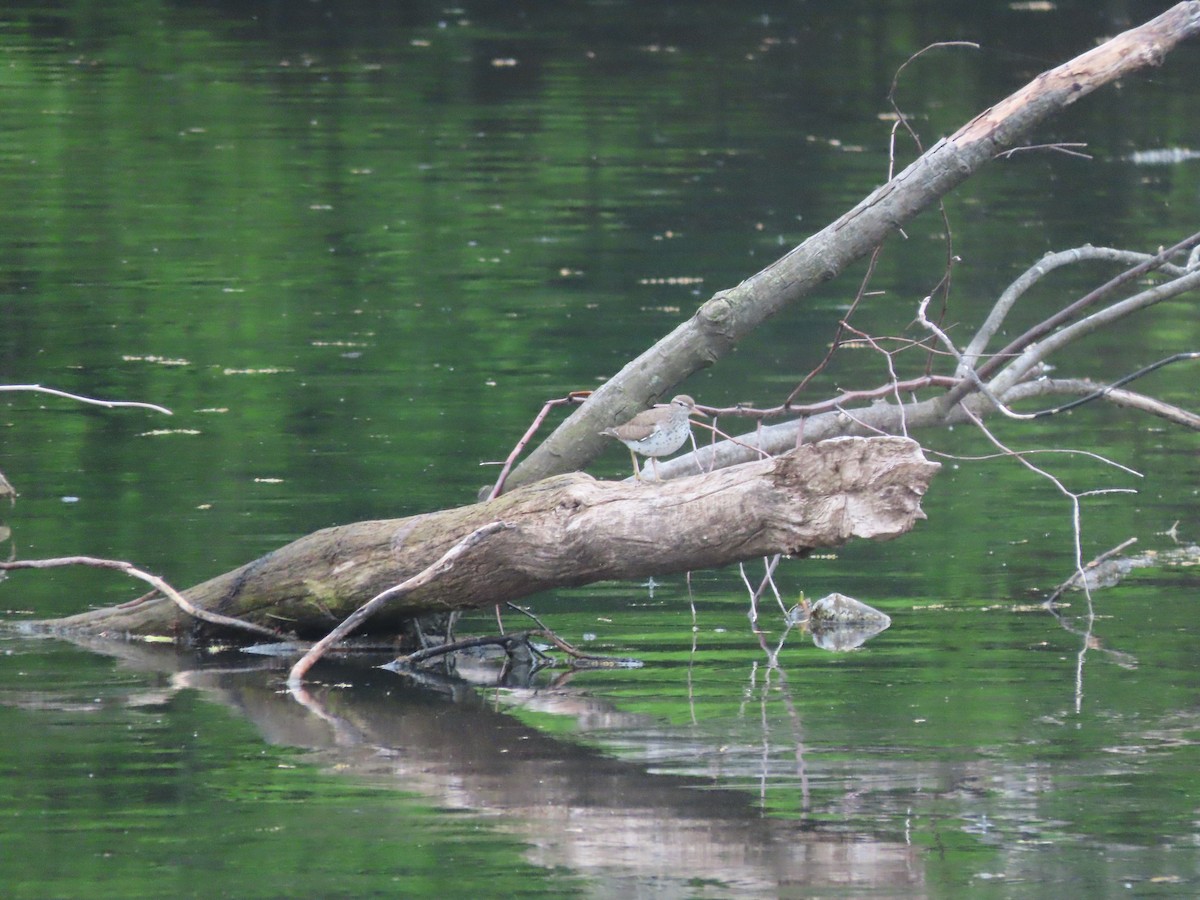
(1169, 156)
(159, 360)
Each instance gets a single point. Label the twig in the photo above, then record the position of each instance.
(1087, 637)
(894, 379)
(1105, 390)
(770, 579)
(943, 285)
(843, 324)
(718, 433)
(523, 611)
(552, 636)
(835, 403)
(37, 388)
(1116, 396)
(153, 580)
(891, 95)
(498, 488)
(1006, 452)
(1077, 534)
(440, 567)
(1066, 147)
(971, 373)
(572, 651)
(769, 565)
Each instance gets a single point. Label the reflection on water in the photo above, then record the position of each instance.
(880, 772)
(574, 808)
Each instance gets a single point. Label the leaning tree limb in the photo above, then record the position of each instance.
(722, 321)
(565, 531)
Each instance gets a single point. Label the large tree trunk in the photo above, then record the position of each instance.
(564, 531)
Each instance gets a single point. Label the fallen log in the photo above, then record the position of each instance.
(564, 531)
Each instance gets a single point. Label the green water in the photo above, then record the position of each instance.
(354, 247)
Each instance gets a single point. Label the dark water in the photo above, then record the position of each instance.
(354, 247)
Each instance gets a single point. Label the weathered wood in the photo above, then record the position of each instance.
(561, 532)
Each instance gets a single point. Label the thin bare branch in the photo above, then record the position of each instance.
(154, 581)
(971, 373)
(1066, 148)
(843, 324)
(508, 642)
(1038, 352)
(436, 569)
(1045, 327)
(1035, 273)
(498, 488)
(1091, 390)
(891, 94)
(942, 288)
(37, 388)
(1067, 451)
(1074, 579)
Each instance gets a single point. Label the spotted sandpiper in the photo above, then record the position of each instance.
(656, 432)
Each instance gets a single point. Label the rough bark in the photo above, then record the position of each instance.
(721, 322)
(565, 531)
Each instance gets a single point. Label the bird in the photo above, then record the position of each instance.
(656, 432)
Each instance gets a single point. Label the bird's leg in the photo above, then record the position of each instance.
(654, 465)
(637, 473)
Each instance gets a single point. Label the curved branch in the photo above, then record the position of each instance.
(110, 404)
(1089, 390)
(1036, 353)
(154, 581)
(1049, 263)
(972, 376)
(427, 575)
